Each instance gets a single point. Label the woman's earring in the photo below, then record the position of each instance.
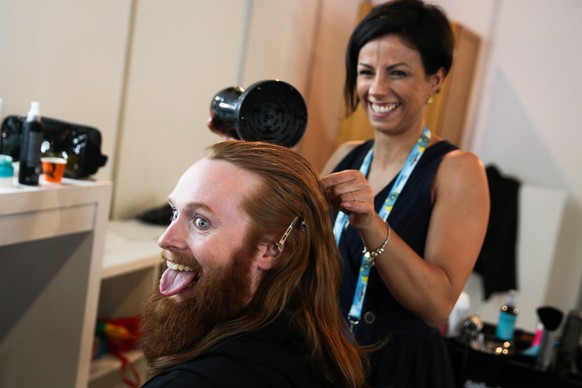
(429, 100)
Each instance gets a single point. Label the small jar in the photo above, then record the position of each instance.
(6, 171)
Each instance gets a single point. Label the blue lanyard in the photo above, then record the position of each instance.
(341, 221)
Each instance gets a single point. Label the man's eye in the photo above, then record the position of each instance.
(174, 215)
(201, 223)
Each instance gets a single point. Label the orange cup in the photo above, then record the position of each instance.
(53, 168)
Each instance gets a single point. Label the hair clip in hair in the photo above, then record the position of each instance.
(281, 242)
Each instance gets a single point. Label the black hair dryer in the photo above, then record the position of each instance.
(271, 111)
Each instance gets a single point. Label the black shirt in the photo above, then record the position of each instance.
(273, 356)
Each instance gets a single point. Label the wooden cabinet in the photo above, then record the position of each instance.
(52, 238)
(447, 114)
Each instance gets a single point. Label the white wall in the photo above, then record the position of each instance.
(182, 53)
(289, 59)
(69, 56)
(311, 37)
(540, 213)
(525, 118)
(187, 51)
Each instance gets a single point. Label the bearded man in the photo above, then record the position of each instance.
(249, 295)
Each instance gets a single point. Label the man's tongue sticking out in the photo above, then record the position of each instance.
(174, 281)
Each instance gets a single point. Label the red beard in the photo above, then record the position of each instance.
(169, 328)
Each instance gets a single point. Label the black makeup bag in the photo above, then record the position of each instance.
(80, 144)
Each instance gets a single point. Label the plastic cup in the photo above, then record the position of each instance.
(53, 168)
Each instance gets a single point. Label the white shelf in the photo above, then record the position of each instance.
(64, 227)
(29, 213)
(130, 245)
(52, 239)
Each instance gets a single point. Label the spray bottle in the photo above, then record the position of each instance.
(507, 317)
(32, 138)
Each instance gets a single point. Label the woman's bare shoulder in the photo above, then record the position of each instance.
(459, 166)
(461, 157)
(338, 155)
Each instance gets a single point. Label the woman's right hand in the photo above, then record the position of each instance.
(349, 191)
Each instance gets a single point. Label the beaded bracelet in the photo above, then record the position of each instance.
(371, 255)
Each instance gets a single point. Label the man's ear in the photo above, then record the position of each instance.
(266, 255)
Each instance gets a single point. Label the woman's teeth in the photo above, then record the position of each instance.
(384, 108)
(178, 267)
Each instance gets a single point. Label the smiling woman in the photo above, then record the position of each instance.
(411, 239)
(392, 85)
(447, 113)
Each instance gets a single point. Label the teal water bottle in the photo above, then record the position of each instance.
(507, 318)
(6, 170)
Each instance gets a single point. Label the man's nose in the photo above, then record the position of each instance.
(173, 236)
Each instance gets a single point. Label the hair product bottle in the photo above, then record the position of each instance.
(32, 138)
(6, 171)
(507, 318)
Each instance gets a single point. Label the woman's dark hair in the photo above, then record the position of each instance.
(423, 27)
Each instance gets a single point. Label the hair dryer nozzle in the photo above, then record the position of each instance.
(271, 111)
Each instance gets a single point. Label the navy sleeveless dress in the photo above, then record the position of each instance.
(415, 354)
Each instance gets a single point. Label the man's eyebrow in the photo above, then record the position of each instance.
(191, 206)
(198, 205)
